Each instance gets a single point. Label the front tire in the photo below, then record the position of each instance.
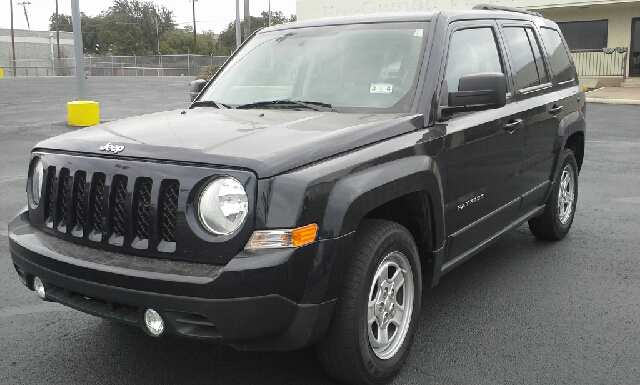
(379, 305)
(556, 220)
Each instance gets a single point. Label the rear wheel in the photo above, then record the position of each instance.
(556, 220)
(376, 314)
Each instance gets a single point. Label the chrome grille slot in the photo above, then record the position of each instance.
(50, 199)
(169, 210)
(63, 199)
(118, 201)
(143, 204)
(97, 204)
(79, 201)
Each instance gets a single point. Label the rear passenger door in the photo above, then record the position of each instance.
(484, 149)
(543, 107)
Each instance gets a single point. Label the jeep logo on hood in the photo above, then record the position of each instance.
(112, 147)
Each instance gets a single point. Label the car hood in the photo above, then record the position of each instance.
(269, 141)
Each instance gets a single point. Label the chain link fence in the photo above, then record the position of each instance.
(153, 65)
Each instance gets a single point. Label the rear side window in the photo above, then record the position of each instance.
(537, 53)
(558, 55)
(524, 63)
(471, 51)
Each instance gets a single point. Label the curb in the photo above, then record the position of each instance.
(613, 101)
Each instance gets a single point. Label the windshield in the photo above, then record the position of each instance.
(352, 68)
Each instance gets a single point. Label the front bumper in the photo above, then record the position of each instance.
(256, 302)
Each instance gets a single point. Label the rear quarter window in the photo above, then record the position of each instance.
(558, 55)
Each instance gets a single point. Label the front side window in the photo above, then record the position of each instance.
(471, 51)
(558, 55)
(367, 67)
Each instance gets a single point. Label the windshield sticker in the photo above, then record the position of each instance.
(418, 32)
(381, 88)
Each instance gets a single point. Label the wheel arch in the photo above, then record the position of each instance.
(575, 142)
(407, 191)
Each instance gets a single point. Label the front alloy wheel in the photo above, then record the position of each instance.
(377, 311)
(390, 305)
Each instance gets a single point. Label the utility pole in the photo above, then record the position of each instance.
(195, 47)
(247, 20)
(79, 54)
(269, 13)
(58, 30)
(238, 38)
(157, 34)
(26, 16)
(13, 40)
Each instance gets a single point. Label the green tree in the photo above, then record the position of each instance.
(133, 27)
(227, 39)
(64, 22)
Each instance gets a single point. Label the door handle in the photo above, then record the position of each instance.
(555, 110)
(511, 126)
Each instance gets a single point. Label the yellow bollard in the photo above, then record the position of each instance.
(83, 113)
(1, 73)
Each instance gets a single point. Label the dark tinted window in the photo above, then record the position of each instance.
(585, 34)
(471, 51)
(537, 53)
(558, 55)
(524, 65)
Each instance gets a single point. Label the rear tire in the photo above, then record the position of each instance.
(376, 315)
(556, 220)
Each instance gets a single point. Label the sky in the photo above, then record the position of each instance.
(212, 15)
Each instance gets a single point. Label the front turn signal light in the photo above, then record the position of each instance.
(272, 239)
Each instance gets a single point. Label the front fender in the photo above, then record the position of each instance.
(359, 193)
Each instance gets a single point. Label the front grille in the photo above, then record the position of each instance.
(170, 211)
(101, 208)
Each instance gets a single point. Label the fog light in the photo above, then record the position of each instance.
(153, 322)
(38, 286)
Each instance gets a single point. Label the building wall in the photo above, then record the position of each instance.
(33, 46)
(314, 9)
(619, 16)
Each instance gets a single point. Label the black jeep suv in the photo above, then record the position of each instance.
(329, 172)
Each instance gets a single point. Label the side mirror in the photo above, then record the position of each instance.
(479, 91)
(195, 87)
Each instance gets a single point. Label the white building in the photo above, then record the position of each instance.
(36, 52)
(588, 26)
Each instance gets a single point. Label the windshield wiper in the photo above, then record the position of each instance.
(316, 106)
(208, 103)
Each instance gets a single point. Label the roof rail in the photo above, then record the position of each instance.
(491, 7)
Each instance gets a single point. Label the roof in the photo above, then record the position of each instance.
(504, 13)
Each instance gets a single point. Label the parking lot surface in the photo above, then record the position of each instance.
(521, 312)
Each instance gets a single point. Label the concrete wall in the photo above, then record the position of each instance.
(34, 46)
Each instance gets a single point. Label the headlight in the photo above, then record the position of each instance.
(35, 184)
(223, 206)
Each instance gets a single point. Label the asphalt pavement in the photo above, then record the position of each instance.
(521, 312)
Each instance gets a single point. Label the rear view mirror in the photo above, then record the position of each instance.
(195, 87)
(478, 92)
